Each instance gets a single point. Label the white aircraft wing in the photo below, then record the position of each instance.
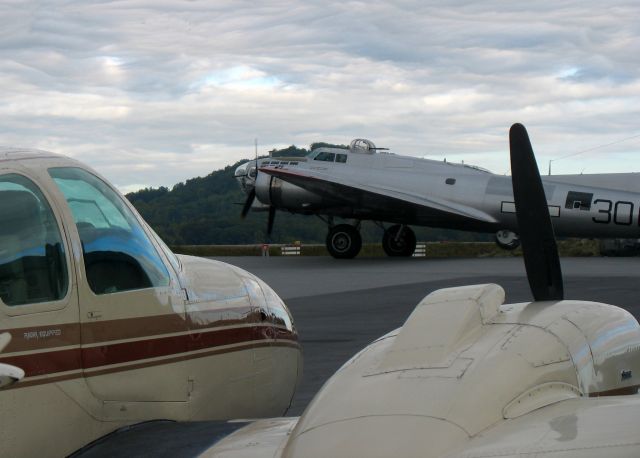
(576, 428)
(374, 197)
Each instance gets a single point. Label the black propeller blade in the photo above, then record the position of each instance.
(272, 217)
(247, 203)
(539, 247)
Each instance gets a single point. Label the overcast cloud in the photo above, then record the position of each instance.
(152, 92)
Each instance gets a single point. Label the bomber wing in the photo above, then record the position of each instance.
(369, 198)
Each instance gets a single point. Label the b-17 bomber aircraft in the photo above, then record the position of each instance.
(468, 376)
(368, 183)
(102, 326)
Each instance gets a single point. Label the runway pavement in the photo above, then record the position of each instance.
(340, 306)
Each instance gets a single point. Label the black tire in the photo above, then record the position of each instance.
(343, 241)
(405, 245)
(511, 245)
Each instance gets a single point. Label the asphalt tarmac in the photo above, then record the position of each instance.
(340, 306)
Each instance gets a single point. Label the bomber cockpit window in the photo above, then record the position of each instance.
(325, 156)
(342, 158)
(33, 265)
(118, 255)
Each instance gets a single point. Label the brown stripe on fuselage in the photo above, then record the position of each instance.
(46, 362)
(49, 351)
(26, 382)
(51, 362)
(64, 335)
(177, 359)
(201, 319)
(164, 346)
(108, 354)
(132, 328)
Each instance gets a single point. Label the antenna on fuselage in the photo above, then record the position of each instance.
(539, 248)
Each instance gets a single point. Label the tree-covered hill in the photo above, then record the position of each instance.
(206, 210)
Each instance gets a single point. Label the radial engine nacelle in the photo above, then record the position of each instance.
(274, 191)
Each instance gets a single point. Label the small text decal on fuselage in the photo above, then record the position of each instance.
(42, 334)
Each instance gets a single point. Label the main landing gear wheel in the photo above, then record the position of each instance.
(344, 241)
(507, 240)
(399, 241)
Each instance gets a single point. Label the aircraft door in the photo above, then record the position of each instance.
(35, 277)
(38, 308)
(134, 332)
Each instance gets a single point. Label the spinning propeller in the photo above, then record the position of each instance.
(249, 202)
(539, 248)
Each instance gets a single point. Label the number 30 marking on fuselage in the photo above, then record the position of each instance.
(622, 212)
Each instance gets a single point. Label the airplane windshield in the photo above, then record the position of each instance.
(325, 156)
(118, 255)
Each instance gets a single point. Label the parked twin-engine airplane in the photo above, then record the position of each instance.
(367, 183)
(102, 326)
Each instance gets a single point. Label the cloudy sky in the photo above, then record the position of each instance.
(152, 92)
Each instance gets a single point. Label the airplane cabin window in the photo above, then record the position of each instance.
(342, 158)
(118, 255)
(325, 156)
(33, 265)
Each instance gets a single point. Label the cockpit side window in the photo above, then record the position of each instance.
(118, 255)
(325, 156)
(342, 158)
(33, 265)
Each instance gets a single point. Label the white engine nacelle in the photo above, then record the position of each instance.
(464, 362)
